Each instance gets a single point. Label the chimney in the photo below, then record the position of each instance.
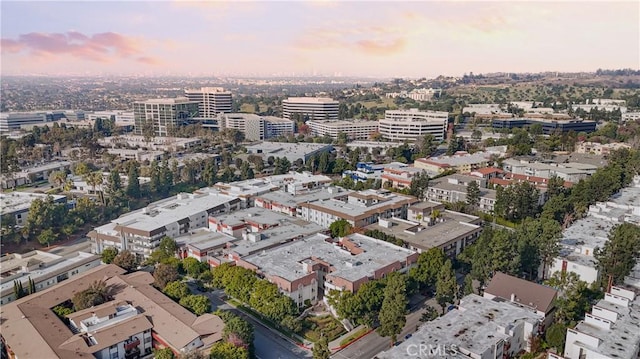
(513, 297)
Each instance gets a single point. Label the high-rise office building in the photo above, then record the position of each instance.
(315, 108)
(163, 115)
(212, 100)
(401, 125)
(256, 128)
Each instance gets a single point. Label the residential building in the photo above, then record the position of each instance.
(607, 105)
(308, 269)
(478, 328)
(487, 173)
(311, 108)
(127, 154)
(32, 174)
(549, 127)
(447, 230)
(364, 171)
(211, 100)
(165, 144)
(485, 109)
(137, 320)
(358, 208)
(140, 231)
(599, 148)
(610, 331)
(353, 129)
(160, 117)
(371, 146)
(453, 189)
(536, 297)
(43, 268)
(291, 203)
(419, 94)
(569, 171)
(631, 116)
(461, 161)
(291, 151)
(257, 128)
(202, 243)
(17, 204)
(399, 176)
(410, 125)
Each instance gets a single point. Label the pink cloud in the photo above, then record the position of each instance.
(101, 47)
(148, 60)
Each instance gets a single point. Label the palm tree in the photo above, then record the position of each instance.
(95, 179)
(58, 178)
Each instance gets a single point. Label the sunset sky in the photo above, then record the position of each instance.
(377, 39)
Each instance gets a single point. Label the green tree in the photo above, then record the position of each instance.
(18, 291)
(199, 304)
(194, 267)
(340, 228)
(126, 260)
(619, 254)
(238, 331)
(163, 274)
(419, 185)
(166, 250)
(47, 236)
(176, 290)
(321, 348)
(108, 254)
(96, 294)
(133, 181)
(427, 267)
(393, 312)
(473, 194)
(225, 350)
(114, 182)
(267, 299)
(555, 336)
(446, 285)
(164, 353)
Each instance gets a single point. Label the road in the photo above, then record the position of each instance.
(373, 343)
(268, 344)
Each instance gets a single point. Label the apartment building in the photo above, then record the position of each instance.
(631, 116)
(141, 231)
(138, 319)
(257, 128)
(358, 208)
(17, 204)
(600, 148)
(410, 125)
(461, 161)
(399, 176)
(308, 268)
(610, 331)
(353, 129)
(162, 116)
(453, 189)
(569, 171)
(370, 171)
(449, 231)
(310, 108)
(32, 174)
(291, 203)
(477, 328)
(211, 100)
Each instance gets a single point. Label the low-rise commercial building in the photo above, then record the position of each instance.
(43, 268)
(358, 208)
(17, 204)
(30, 175)
(137, 320)
(141, 231)
(600, 148)
(165, 144)
(353, 129)
(291, 151)
(410, 125)
(307, 268)
(478, 328)
(631, 116)
(549, 126)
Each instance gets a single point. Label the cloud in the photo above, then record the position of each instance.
(148, 60)
(100, 47)
(382, 48)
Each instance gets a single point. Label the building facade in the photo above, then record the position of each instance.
(410, 125)
(354, 130)
(257, 128)
(211, 100)
(311, 108)
(160, 117)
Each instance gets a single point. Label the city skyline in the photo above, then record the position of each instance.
(375, 39)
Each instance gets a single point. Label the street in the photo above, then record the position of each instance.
(268, 344)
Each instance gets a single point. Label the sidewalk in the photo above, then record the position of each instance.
(335, 346)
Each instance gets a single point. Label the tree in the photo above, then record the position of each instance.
(555, 336)
(427, 268)
(126, 260)
(96, 294)
(446, 285)
(164, 353)
(194, 267)
(166, 250)
(419, 184)
(18, 291)
(32, 286)
(238, 331)
(430, 314)
(619, 254)
(393, 312)
(321, 348)
(225, 350)
(114, 182)
(198, 304)
(133, 182)
(467, 287)
(473, 194)
(164, 273)
(108, 254)
(176, 290)
(57, 178)
(47, 236)
(340, 228)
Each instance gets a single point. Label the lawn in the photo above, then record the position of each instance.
(313, 327)
(357, 334)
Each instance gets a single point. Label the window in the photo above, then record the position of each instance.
(147, 340)
(114, 355)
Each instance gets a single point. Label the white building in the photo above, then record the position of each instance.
(610, 331)
(162, 116)
(17, 204)
(291, 151)
(453, 189)
(257, 128)
(478, 328)
(168, 144)
(15, 120)
(355, 130)
(631, 116)
(600, 148)
(569, 171)
(313, 108)
(211, 100)
(410, 125)
(291, 203)
(43, 268)
(36, 173)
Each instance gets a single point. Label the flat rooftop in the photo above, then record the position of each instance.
(476, 325)
(321, 100)
(286, 261)
(11, 202)
(353, 209)
(590, 232)
(203, 239)
(443, 183)
(290, 200)
(459, 159)
(342, 123)
(421, 235)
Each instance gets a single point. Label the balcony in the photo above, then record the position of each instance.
(131, 343)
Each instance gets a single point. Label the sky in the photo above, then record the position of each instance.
(344, 38)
